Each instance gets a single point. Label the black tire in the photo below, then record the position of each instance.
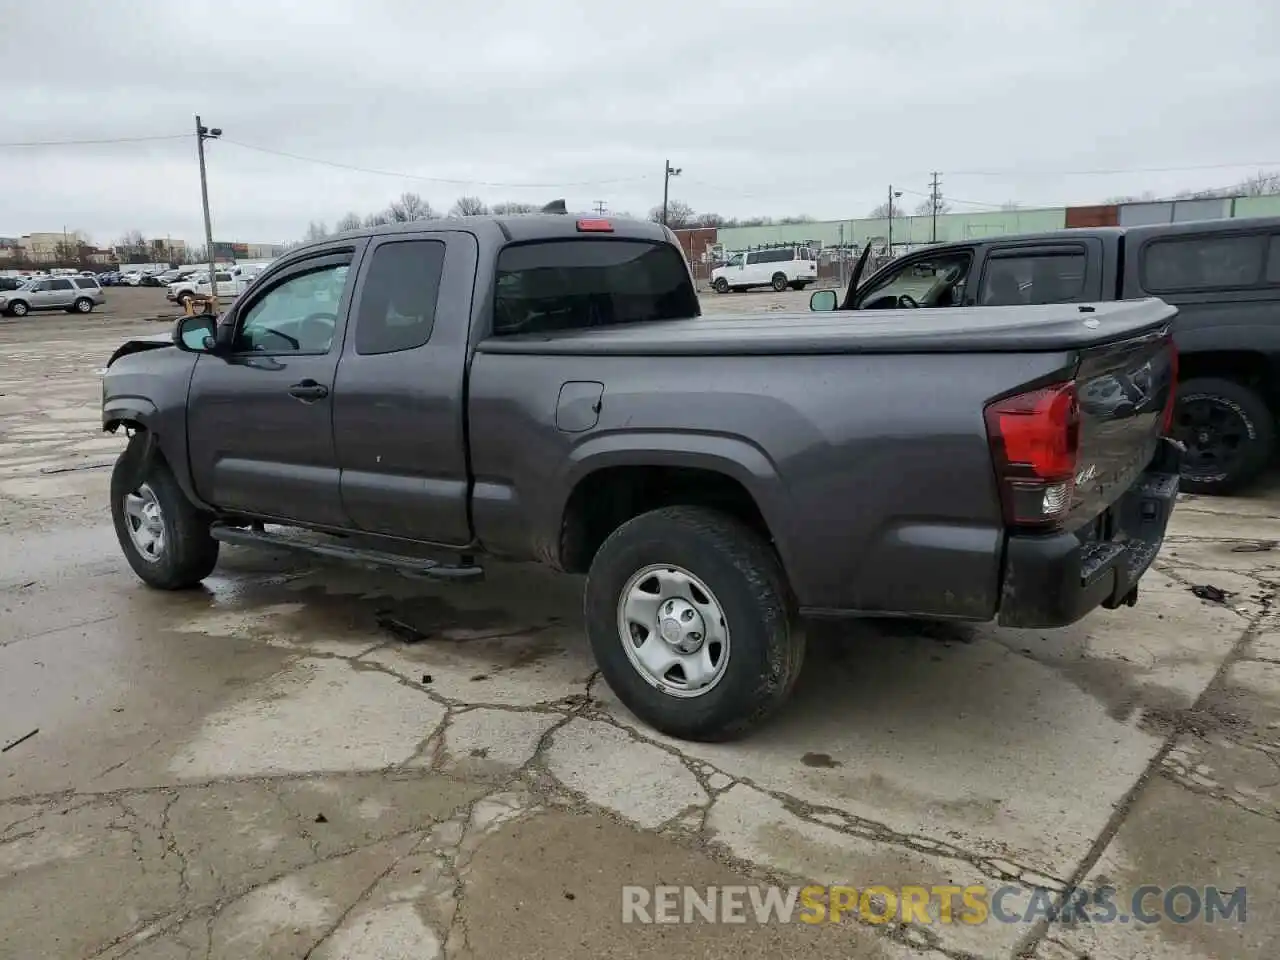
(18, 309)
(721, 285)
(779, 282)
(1229, 432)
(799, 285)
(189, 553)
(185, 297)
(764, 654)
(83, 305)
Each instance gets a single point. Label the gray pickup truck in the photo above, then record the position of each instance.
(419, 396)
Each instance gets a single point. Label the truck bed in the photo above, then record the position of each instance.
(1050, 327)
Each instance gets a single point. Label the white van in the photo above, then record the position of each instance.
(777, 267)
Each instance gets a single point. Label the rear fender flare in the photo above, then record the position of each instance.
(733, 456)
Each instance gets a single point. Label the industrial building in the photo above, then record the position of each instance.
(909, 232)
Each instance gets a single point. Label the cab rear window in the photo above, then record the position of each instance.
(572, 284)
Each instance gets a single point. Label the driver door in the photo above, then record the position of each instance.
(260, 418)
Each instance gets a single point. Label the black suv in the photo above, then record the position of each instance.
(1222, 275)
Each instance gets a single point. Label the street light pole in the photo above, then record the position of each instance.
(668, 171)
(204, 133)
(889, 243)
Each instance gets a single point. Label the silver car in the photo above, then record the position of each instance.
(72, 294)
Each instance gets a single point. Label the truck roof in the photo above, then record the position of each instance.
(1145, 229)
(514, 228)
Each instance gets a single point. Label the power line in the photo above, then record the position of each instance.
(1016, 171)
(413, 176)
(86, 143)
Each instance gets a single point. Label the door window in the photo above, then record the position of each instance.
(60, 285)
(931, 282)
(296, 316)
(1033, 278)
(398, 301)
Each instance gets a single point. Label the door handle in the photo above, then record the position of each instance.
(308, 390)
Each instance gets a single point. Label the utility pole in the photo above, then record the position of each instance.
(600, 207)
(204, 133)
(668, 171)
(893, 194)
(935, 201)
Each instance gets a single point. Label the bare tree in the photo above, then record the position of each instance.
(756, 222)
(469, 207)
(679, 214)
(925, 207)
(881, 211)
(377, 219)
(1261, 184)
(316, 230)
(509, 208)
(709, 220)
(349, 221)
(132, 246)
(410, 208)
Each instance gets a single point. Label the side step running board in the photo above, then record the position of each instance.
(411, 566)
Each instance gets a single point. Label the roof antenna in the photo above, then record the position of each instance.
(555, 206)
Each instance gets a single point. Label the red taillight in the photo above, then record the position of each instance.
(594, 225)
(1035, 439)
(1171, 400)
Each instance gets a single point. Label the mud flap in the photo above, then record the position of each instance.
(137, 458)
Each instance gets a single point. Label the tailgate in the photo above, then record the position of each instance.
(1125, 392)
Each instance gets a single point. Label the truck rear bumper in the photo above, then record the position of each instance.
(1054, 580)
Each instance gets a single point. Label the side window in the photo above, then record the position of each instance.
(1202, 262)
(223, 277)
(398, 302)
(933, 282)
(60, 285)
(85, 283)
(753, 258)
(1034, 278)
(1273, 259)
(296, 316)
(42, 287)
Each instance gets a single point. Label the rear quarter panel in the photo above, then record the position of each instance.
(872, 471)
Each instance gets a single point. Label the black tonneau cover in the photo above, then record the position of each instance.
(1019, 329)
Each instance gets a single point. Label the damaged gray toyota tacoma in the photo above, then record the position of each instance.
(543, 388)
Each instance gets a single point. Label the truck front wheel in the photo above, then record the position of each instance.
(691, 623)
(164, 537)
(1229, 433)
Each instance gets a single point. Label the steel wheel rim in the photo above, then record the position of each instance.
(1215, 435)
(673, 630)
(145, 520)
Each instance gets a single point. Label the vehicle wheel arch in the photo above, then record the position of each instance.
(609, 486)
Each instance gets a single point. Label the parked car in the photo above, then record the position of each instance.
(11, 283)
(231, 283)
(1223, 275)
(777, 267)
(74, 294)
(542, 388)
(149, 280)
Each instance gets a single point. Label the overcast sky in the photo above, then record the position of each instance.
(770, 107)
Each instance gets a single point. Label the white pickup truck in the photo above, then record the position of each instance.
(232, 282)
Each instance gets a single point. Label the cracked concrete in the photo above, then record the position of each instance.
(258, 769)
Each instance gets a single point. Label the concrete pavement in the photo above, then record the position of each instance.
(259, 769)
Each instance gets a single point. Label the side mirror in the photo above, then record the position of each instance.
(195, 334)
(822, 301)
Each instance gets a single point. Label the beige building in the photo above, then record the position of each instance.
(43, 247)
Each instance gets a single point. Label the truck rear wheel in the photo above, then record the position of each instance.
(1229, 433)
(779, 282)
(691, 623)
(164, 537)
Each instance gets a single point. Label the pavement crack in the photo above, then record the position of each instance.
(1027, 945)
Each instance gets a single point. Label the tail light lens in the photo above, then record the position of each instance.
(1035, 440)
(1171, 401)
